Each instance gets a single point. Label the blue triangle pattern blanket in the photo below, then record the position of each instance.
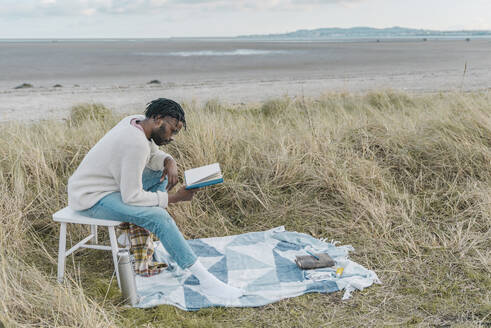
(261, 263)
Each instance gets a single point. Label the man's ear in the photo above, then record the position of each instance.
(158, 120)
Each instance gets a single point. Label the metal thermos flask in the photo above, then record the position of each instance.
(127, 277)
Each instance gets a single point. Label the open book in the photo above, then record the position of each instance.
(203, 176)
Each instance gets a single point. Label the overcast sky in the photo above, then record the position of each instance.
(177, 18)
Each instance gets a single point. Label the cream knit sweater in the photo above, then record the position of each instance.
(116, 163)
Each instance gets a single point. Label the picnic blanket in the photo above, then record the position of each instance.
(261, 263)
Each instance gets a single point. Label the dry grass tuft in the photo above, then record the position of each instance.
(88, 112)
(404, 178)
(276, 107)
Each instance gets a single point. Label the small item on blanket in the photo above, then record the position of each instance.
(142, 249)
(314, 261)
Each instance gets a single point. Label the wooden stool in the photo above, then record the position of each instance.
(67, 215)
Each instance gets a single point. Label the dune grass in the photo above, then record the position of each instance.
(405, 179)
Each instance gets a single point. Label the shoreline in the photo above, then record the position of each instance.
(44, 102)
(117, 73)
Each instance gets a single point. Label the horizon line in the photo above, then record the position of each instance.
(237, 36)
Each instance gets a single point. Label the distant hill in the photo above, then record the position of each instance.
(370, 32)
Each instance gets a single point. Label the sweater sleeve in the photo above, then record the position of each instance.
(157, 157)
(131, 187)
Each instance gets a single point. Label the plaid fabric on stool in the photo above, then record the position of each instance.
(142, 249)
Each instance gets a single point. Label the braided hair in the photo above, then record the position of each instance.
(162, 107)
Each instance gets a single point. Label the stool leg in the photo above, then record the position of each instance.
(114, 249)
(61, 252)
(93, 230)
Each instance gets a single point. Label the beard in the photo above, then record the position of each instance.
(156, 136)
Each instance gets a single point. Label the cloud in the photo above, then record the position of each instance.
(89, 11)
(118, 7)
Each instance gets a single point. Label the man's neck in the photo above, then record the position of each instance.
(146, 125)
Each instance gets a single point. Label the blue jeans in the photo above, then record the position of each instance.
(153, 218)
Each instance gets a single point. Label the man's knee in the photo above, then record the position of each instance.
(165, 216)
(151, 180)
(160, 217)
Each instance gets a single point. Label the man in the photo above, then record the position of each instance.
(123, 178)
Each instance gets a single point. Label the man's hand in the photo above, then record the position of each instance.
(182, 195)
(170, 170)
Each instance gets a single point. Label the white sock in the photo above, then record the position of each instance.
(210, 285)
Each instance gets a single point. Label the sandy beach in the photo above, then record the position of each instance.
(116, 73)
